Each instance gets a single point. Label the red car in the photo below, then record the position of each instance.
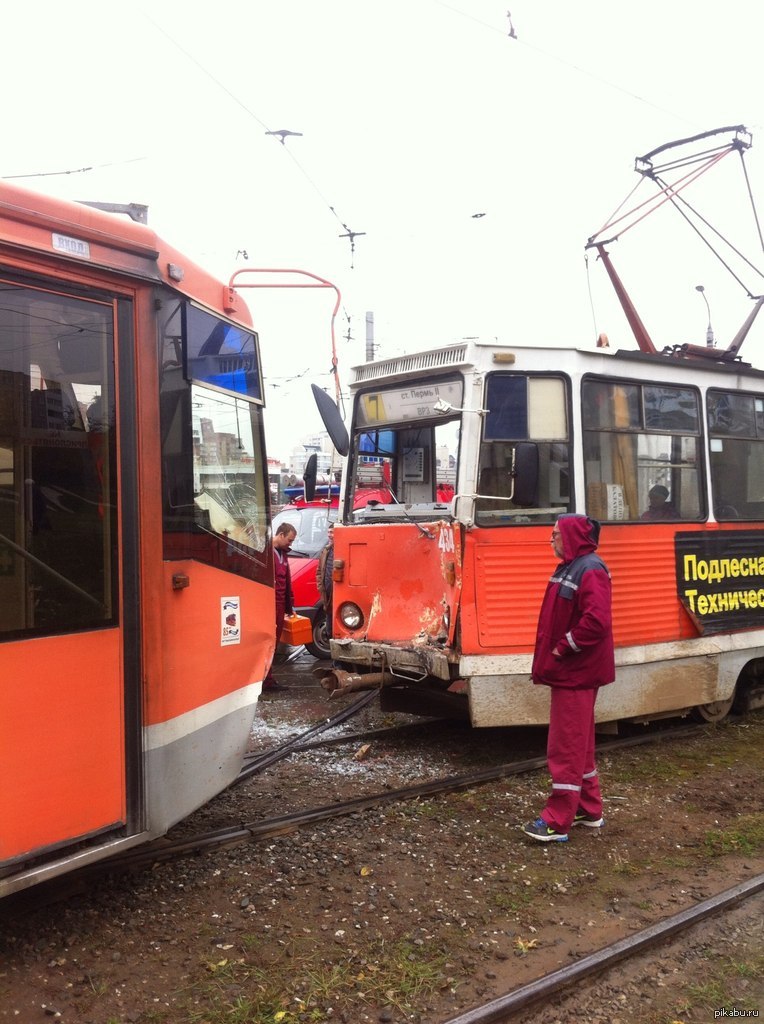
(311, 520)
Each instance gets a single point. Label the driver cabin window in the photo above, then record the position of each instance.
(523, 409)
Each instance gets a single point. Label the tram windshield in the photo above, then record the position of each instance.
(215, 485)
(405, 451)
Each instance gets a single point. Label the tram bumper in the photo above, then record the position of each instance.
(411, 663)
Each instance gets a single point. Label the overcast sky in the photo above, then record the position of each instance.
(415, 115)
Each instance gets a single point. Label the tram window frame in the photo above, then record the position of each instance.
(520, 410)
(626, 425)
(736, 454)
(194, 526)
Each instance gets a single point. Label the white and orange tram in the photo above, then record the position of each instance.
(436, 602)
(136, 581)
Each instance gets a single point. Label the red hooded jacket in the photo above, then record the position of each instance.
(576, 616)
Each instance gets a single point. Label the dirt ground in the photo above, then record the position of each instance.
(419, 910)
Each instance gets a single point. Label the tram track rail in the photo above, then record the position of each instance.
(303, 742)
(259, 762)
(269, 828)
(523, 999)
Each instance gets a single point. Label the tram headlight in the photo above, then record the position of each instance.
(351, 615)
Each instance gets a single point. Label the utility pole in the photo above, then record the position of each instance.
(369, 337)
(709, 329)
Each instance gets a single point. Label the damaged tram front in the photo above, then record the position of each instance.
(481, 447)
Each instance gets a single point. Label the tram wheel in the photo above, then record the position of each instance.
(716, 711)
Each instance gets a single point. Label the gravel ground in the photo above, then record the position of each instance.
(415, 911)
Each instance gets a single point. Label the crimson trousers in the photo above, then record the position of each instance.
(570, 758)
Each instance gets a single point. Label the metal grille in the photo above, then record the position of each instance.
(440, 358)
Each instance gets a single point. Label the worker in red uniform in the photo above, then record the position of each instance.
(574, 656)
(282, 542)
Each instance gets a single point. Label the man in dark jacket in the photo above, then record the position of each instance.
(574, 656)
(282, 580)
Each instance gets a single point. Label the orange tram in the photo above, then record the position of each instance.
(136, 576)
(436, 602)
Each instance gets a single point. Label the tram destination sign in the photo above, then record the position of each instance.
(416, 401)
(720, 578)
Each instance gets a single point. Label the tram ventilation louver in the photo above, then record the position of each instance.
(437, 359)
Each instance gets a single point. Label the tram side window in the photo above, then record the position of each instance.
(527, 409)
(214, 480)
(58, 480)
(736, 443)
(641, 451)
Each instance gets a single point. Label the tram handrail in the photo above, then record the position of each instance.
(23, 553)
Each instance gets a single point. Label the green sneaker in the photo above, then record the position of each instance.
(539, 829)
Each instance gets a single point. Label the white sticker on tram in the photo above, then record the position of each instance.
(164, 733)
(71, 246)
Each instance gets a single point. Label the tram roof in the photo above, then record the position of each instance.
(485, 356)
(78, 234)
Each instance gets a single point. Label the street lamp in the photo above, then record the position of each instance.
(709, 329)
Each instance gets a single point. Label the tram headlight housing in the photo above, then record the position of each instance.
(350, 615)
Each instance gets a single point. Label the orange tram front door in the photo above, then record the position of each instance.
(67, 547)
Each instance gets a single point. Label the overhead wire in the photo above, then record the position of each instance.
(520, 41)
(75, 170)
(248, 110)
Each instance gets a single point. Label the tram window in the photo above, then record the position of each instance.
(411, 465)
(674, 409)
(522, 409)
(215, 490)
(58, 480)
(377, 442)
(405, 449)
(221, 353)
(641, 451)
(736, 451)
(731, 415)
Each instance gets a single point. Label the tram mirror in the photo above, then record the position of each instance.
(309, 477)
(525, 474)
(332, 420)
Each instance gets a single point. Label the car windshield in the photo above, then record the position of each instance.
(312, 525)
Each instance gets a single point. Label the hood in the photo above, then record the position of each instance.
(580, 535)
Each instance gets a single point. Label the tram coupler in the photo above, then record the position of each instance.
(339, 682)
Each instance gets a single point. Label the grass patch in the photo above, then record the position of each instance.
(512, 902)
(745, 836)
(307, 987)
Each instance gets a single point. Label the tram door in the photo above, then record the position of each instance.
(62, 681)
